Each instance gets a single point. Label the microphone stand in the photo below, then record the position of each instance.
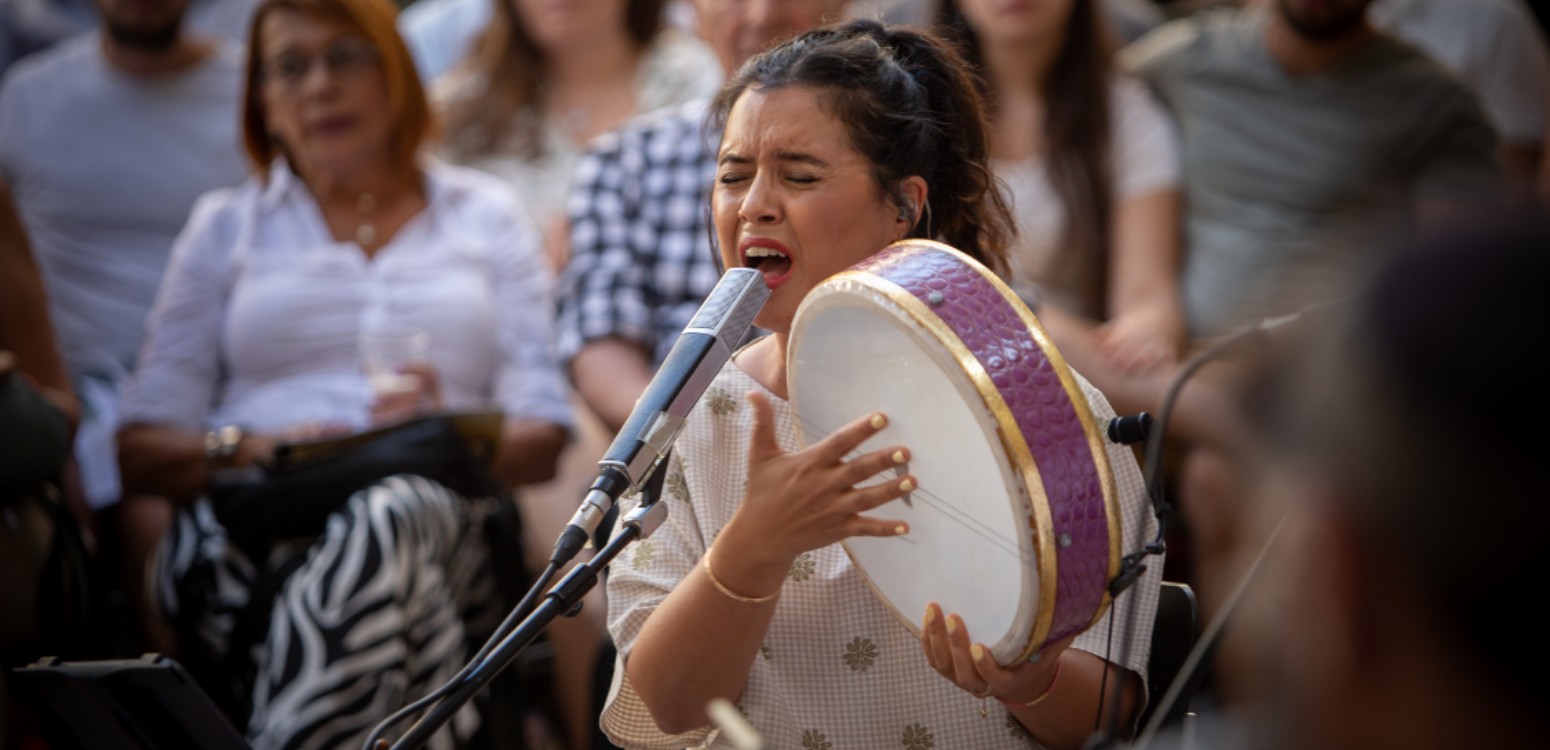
(1131, 567)
(563, 599)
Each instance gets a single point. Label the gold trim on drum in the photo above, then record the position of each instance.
(1084, 411)
(1011, 439)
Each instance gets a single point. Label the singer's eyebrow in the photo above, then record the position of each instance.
(732, 157)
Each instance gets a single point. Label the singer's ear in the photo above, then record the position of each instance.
(913, 191)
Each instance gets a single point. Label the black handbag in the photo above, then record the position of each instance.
(293, 494)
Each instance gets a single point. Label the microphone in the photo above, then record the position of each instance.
(700, 352)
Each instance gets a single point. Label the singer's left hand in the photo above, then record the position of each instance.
(970, 666)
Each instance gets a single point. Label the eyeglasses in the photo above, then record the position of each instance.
(342, 58)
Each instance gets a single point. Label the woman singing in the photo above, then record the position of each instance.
(835, 144)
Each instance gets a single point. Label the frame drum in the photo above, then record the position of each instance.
(1014, 525)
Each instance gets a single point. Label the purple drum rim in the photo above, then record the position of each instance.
(1028, 380)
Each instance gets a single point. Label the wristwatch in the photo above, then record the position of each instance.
(221, 444)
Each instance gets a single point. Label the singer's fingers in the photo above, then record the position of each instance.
(865, 467)
(933, 639)
(863, 526)
(762, 443)
(864, 499)
(834, 448)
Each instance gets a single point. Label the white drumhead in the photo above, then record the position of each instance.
(970, 548)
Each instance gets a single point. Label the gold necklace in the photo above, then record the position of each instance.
(366, 231)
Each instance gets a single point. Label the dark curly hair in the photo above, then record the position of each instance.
(911, 107)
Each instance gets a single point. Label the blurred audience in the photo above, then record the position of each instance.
(345, 230)
(44, 591)
(541, 81)
(1408, 518)
(1091, 166)
(1307, 139)
(544, 79)
(28, 26)
(641, 259)
(26, 330)
(441, 33)
(1125, 20)
(1497, 48)
(106, 140)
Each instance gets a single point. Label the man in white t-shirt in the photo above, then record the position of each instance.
(106, 140)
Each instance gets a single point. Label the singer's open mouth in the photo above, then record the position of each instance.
(768, 258)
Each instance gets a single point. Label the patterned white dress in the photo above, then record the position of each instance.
(837, 669)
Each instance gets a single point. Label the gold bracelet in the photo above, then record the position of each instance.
(729, 592)
(1048, 691)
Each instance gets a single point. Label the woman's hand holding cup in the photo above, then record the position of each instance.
(403, 381)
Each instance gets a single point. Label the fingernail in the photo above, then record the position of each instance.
(901, 529)
(952, 624)
(977, 651)
(907, 485)
(879, 421)
(930, 617)
(898, 457)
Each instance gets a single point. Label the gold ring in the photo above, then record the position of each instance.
(982, 695)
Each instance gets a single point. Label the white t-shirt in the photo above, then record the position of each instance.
(1145, 156)
(104, 167)
(1494, 45)
(259, 321)
(836, 669)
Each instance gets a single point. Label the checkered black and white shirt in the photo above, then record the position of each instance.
(642, 258)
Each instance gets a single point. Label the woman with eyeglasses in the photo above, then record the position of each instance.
(346, 231)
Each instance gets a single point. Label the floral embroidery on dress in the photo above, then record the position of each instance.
(644, 550)
(860, 654)
(813, 739)
(917, 737)
(720, 402)
(677, 485)
(765, 652)
(803, 567)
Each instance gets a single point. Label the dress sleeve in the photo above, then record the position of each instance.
(179, 370)
(638, 581)
(1133, 613)
(530, 384)
(603, 289)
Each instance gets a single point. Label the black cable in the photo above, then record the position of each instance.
(1130, 565)
(1103, 683)
(514, 618)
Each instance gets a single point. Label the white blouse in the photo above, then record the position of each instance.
(836, 668)
(258, 320)
(1144, 153)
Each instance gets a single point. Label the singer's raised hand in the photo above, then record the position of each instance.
(807, 499)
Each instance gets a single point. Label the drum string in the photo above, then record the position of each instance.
(941, 505)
